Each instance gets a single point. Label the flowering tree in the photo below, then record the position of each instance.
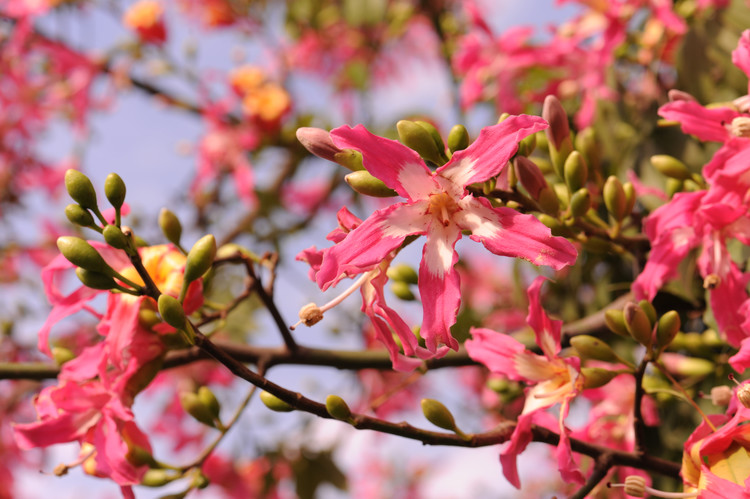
(601, 163)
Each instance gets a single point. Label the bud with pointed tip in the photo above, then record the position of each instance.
(648, 307)
(61, 355)
(587, 144)
(365, 183)
(436, 137)
(437, 414)
(318, 142)
(638, 324)
(81, 189)
(670, 167)
(589, 347)
(667, 328)
(199, 259)
(549, 201)
(350, 159)
(170, 226)
(114, 189)
(402, 291)
(529, 175)
(402, 272)
(207, 398)
(630, 197)
(558, 133)
(527, 145)
(78, 215)
(114, 237)
(458, 138)
(193, 406)
(82, 254)
(274, 403)
(580, 202)
(171, 311)
(595, 377)
(337, 408)
(575, 171)
(95, 280)
(673, 186)
(614, 198)
(158, 478)
(615, 320)
(419, 139)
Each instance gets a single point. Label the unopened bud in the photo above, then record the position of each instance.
(193, 406)
(589, 347)
(114, 237)
(436, 137)
(200, 258)
(403, 272)
(349, 159)
(554, 225)
(158, 478)
(687, 366)
(170, 226)
(648, 307)
(138, 456)
(82, 254)
(114, 189)
(171, 311)
(673, 186)
(458, 138)
(365, 183)
(580, 202)
(437, 414)
(78, 215)
(596, 377)
(61, 355)
(95, 280)
(274, 403)
(558, 133)
(402, 291)
(670, 167)
(548, 201)
(318, 142)
(575, 171)
(81, 189)
(337, 408)
(588, 145)
(721, 395)
(527, 145)
(638, 324)
(630, 197)
(207, 398)
(667, 328)
(530, 176)
(419, 139)
(614, 198)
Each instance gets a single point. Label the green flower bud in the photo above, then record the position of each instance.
(61, 355)
(530, 176)
(114, 237)
(78, 215)
(527, 145)
(337, 408)
(274, 403)
(575, 171)
(630, 196)
(437, 414)
(207, 398)
(691, 366)
(402, 291)
(171, 311)
(139, 456)
(365, 183)
(614, 198)
(158, 478)
(580, 202)
(193, 406)
(650, 311)
(82, 254)
(670, 167)
(81, 189)
(615, 320)
(436, 137)
(673, 187)
(595, 377)
(114, 189)
(589, 347)
(419, 139)
(458, 138)
(548, 201)
(588, 145)
(638, 324)
(95, 280)
(667, 328)
(199, 259)
(170, 226)
(200, 481)
(403, 272)
(350, 159)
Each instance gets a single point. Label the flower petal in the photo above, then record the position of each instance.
(495, 350)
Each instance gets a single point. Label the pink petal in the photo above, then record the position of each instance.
(506, 232)
(518, 441)
(741, 360)
(392, 162)
(741, 55)
(244, 183)
(706, 124)
(495, 350)
(489, 154)
(368, 244)
(546, 330)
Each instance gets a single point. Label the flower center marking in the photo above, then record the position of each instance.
(443, 206)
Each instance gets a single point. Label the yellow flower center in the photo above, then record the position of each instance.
(164, 264)
(443, 206)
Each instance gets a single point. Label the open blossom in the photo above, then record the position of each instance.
(439, 207)
(146, 18)
(556, 380)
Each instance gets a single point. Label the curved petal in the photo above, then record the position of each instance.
(741, 55)
(706, 124)
(495, 350)
(368, 244)
(488, 155)
(506, 232)
(392, 162)
(439, 286)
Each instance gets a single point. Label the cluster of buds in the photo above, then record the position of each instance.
(640, 322)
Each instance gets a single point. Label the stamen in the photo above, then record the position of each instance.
(636, 486)
(311, 314)
(743, 392)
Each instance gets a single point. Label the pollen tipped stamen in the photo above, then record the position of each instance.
(311, 314)
(636, 486)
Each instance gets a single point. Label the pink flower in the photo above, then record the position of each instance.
(439, 206)
(556, 380)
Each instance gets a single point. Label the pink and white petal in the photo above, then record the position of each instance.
(741, 360)
(495, 350)
(507, 232)
(392, 162)
(706, 124)
(727, 300)
(546, 330)
(489, 154)
(369, 244)
(566, 464)
(439, 286)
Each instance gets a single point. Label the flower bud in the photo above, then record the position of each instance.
(630, 196)
(687, 366)
(527, 145)
(207, 398)
(365, 183)
(350, 159)
(437, 414)
(402, 272)
(199, 259)
(555, 226)
(318, 142)
(436, 137)
(82, 254)
(114, 189)
(81, 189)
(670, 167)
(587, 144)
(673, 186)
(638, 324)
(78, 215)
(595, 377)
(158, 478)
(648, 307)
(61, 355)
(171, 311)
(575, 171)
(614, 198)
(114, 237)
(529, 175)
(402, 291)
(274, 403)
(193, 406)
(170, 226)
(589, 347)
(667, 328)
(419, 139)
(337, 408)
(558, 133)
(580, 202)
(95, 280)
(458, 138)
(548, 201)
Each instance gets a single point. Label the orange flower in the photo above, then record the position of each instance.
(267, 104)
(147, 19)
